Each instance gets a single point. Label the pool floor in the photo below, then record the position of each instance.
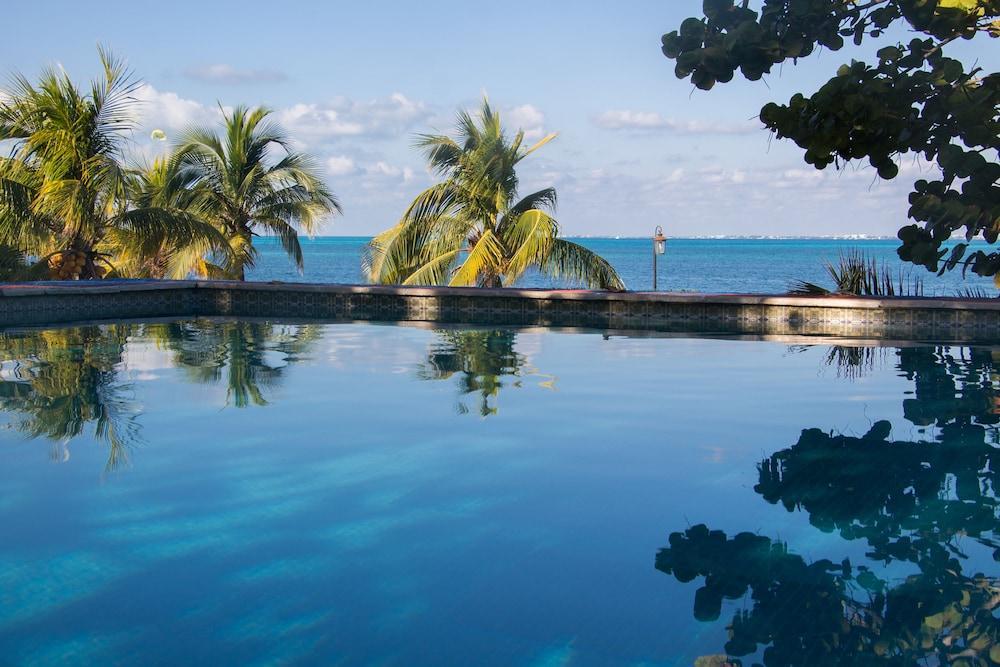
(258, 493)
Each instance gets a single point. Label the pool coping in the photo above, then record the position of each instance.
(826, 301)
(876, 318)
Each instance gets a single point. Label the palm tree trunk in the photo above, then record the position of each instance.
(246, 244)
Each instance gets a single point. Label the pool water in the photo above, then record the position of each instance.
(212, 492)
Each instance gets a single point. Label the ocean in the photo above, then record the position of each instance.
(689, 265)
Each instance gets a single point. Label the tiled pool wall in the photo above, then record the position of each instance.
(930, 319)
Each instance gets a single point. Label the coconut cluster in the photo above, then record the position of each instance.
(69, 265)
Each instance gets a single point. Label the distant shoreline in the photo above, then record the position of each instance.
(721, 237)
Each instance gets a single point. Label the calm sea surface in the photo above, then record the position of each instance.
(250, 493)
(699, 265)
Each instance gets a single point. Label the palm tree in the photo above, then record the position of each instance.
(161, 185)
(471, 228)
(13, 263)
(64, 190)
(244, 192)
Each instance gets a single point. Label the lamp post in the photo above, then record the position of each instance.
(659, 248)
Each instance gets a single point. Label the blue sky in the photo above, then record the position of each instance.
(353, 82)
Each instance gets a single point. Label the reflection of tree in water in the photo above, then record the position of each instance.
(954, 388)
(250, 357)
(480, 358)
(55, 383)
(917, 503)
(851, 362)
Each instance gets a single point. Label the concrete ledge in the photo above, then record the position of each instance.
(905, 319)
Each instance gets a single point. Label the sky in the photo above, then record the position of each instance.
(354, 82)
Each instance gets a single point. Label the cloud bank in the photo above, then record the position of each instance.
(222, 73)
(649, 121)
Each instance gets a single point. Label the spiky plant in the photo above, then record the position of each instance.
(64, 194)
(472, 229)
(856, 273)
(250, 181)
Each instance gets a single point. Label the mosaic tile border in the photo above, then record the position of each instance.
(929, 319)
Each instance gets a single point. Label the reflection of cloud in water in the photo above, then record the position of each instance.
(715, 454)
(351, 345)
(140, 355)
(619, 347)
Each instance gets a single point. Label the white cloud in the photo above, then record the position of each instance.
(340, 165)
(526, 117)
(649, 120)
(227, 74)
(386, 117)
(754, 197)
(314, 121)
(170, 112)
(386, 170)
(308, 124)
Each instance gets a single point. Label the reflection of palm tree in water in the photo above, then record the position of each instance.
(64, 379)
(911, 502)
(55, 383)
(250, 357)
(481, 359)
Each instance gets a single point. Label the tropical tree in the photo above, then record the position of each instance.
(160, 185)
(13, 263)
(471, 229)
(913, 99)
(248, 181)
(64, 189)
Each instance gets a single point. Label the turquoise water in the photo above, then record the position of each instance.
(260, 493)
(699, 265)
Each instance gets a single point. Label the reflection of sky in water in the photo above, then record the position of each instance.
(357, 518)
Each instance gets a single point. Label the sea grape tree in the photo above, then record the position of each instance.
(911, 99)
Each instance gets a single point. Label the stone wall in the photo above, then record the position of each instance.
(927, 319)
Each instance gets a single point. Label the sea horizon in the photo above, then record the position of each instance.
(705, 264)
(705, 237)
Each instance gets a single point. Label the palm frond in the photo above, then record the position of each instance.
(538, 144)
(476, 203)
(435, 270)
(805, 288)
(481, 264)
(287, 235)
(571, 260)
(251, 180)
(529, 239)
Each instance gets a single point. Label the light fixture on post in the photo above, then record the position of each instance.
(659, 248)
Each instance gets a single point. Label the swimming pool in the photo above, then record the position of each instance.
(250, 492)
